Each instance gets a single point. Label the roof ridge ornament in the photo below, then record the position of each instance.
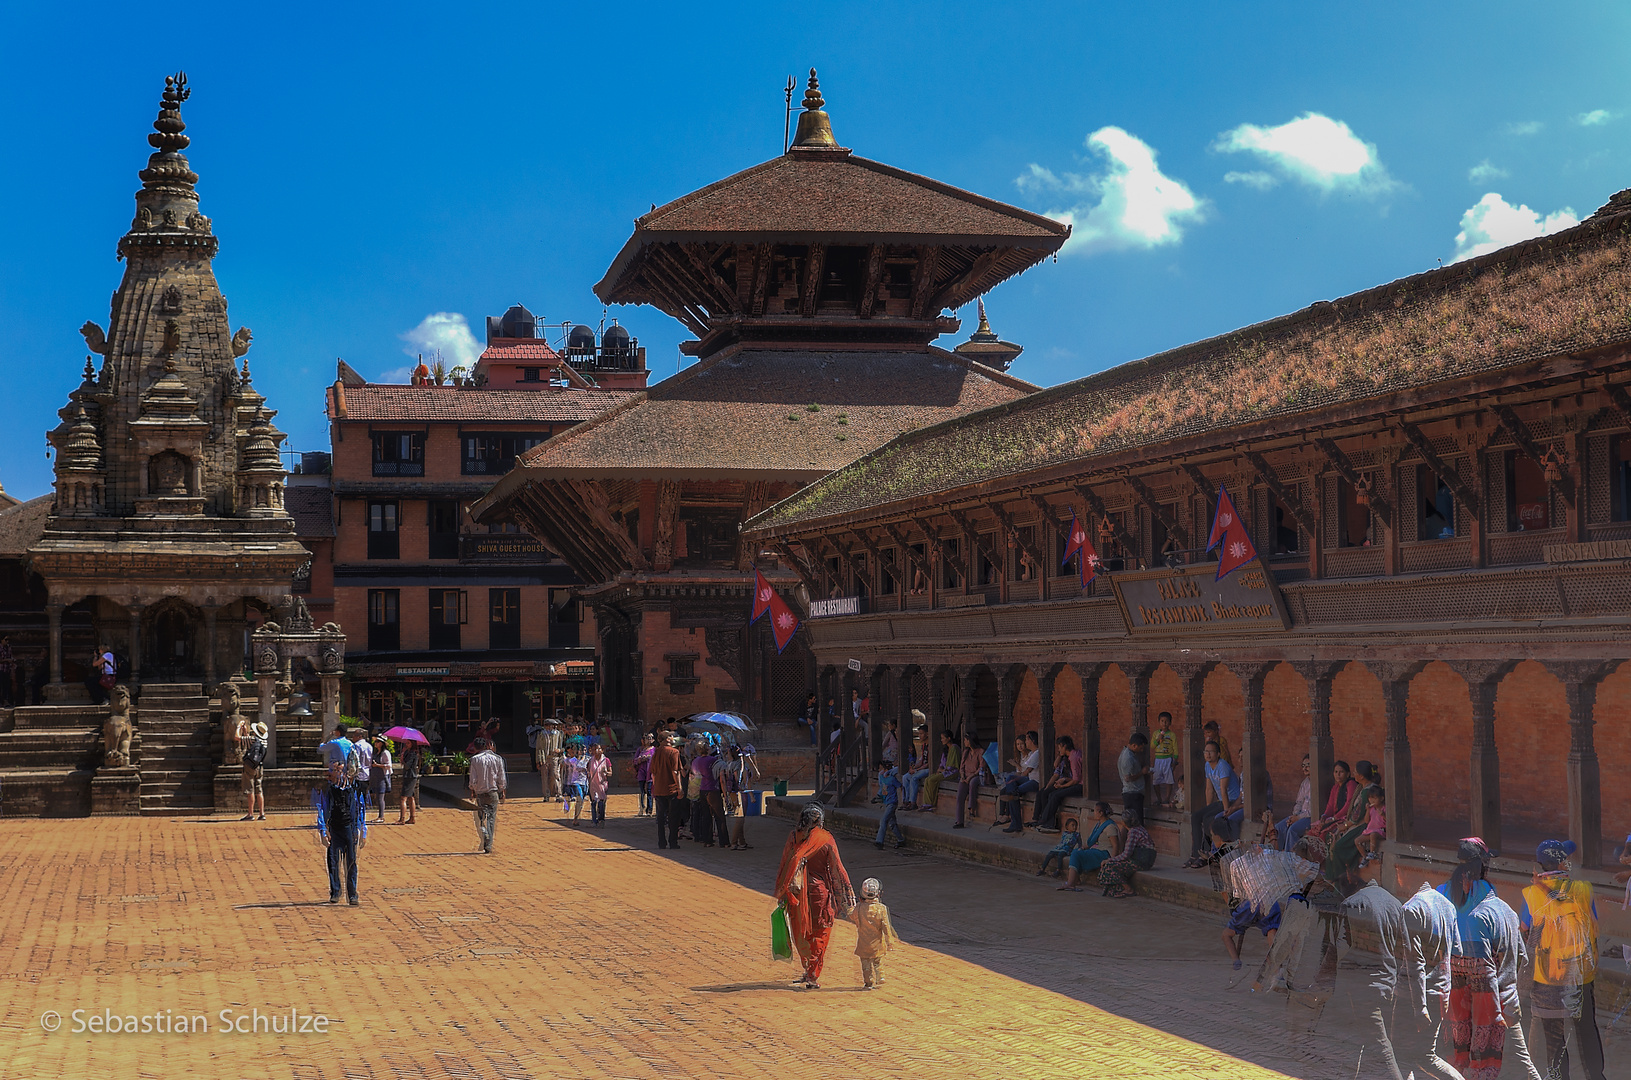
(815, 126)
(167, 134)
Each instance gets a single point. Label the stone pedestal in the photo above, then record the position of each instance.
(331, 704)
(116, 791)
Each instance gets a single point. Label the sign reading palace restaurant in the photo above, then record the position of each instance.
(843, 605)
(1188, 597)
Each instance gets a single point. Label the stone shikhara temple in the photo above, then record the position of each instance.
(1437, 477)
(166, 539)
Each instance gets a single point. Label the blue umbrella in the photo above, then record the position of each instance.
(721, 719)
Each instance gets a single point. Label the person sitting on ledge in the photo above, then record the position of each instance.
(949, 760)
(1103, 843)
(1022, 783)
(1068, 843)
(1137, 853)
(1066, 783)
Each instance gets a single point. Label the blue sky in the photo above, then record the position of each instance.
(367, 168)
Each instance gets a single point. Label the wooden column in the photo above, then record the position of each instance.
(1138, 676)
(1397, 777)
(1090, 675)
(934, 709)
(825, 680)
(1321, 749)
(903, 713)
(1580, 679)
(1007, 730)
(1045, 674)
(1194, 677)
(874, 694)
(1482, 678)
(1254, 778)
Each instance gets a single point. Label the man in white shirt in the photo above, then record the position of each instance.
(487, 785)
(365, 752)
(1025, 780)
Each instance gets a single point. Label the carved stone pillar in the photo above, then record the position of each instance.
(1045, 674)
(1090, 675)
(1253, 753)
(1138, 678)
(1007, 691)
(266, 688)
(1397, 777)
(1321, 749)
(331, 704)
(135, 675)
(210, 612)
(53, 618)
(1580, 679)
(940, 683)
(1194, 677)
(1482, 678)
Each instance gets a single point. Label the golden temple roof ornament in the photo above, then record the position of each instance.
(815, 126)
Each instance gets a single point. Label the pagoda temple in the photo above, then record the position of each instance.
(168, 512)
(815, 284)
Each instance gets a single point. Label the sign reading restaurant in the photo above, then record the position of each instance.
(1187, 598)
(843, 605)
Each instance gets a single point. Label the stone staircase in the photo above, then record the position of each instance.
(179, 749)
(48, 755)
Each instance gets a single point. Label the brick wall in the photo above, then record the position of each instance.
(657, 697)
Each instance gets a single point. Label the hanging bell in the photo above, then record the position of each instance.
(299, 705)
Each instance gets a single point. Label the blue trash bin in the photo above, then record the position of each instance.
(753, 803)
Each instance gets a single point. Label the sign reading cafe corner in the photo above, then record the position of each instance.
(1187, 598)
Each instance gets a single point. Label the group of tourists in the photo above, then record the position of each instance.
(693, 785)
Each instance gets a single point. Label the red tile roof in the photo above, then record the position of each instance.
(749, 410)
(519, 352)
(555, 406)
(1554, 295)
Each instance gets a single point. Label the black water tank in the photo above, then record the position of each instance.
(581, 340)
(518, 322)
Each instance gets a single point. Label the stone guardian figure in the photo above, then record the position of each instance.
(117, 730)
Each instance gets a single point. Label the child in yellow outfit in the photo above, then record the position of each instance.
(875, 934)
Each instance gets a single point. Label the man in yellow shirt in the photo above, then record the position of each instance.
(1559, 917)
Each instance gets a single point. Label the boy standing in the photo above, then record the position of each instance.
(875, 934)
(1164, 751)
(1559, 917)
(889, 792)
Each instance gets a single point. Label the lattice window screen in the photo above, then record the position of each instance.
(1495, 490)
(1599, 480)
(1331, 517)
(1407, 505)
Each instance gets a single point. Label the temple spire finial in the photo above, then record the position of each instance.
(985, 327)
(167, 134)
(815, 126)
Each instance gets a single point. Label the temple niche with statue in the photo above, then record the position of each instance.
(166, 541)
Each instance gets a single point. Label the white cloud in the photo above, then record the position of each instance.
(1493, 223)
(1594, 118)
(1128, 204)
(1315, 149)
(396, 375)
(1262, 181)
(1524, 127)
(1484, 172)
(445, 332)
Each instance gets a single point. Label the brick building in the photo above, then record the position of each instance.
(814, 284)
(449, 618)
(1437, 476)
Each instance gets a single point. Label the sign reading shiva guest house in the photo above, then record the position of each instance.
(1188, 598)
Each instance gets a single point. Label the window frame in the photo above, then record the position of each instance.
(384, 528)
(442, 543)
(506, 601)
(387, 459)
(384, 620)
(494, 459)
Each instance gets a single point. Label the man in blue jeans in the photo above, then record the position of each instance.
(342, 813)
(889, 793)
(1025, 780)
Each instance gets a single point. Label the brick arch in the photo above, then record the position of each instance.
(1223, 700)
(1439, 722)
(1532, 737)
(1286, 731)
(1115, 722)
(1613, 733)
(1358, 717)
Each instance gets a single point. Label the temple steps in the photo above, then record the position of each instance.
(177, 756)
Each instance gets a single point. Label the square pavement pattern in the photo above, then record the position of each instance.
(579, 952)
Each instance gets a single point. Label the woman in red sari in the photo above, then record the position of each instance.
(814, 889)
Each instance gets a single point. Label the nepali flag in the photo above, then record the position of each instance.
(1229, 532)
(762, 595)
(783, 623)
(1076, 541)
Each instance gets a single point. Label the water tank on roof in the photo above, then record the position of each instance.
(581, 341)
(518, 322)
(615, 342)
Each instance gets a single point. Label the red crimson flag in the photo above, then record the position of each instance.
(762, 592)
(783, 623)
(1076, 541)
(1229, 532)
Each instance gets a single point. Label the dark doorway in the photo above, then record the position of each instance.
(172, 643)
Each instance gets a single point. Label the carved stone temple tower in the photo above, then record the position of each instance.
(168, 525)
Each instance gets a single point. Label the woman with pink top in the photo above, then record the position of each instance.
(600, 781)
(642, 774)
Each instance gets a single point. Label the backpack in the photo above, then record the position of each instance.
(255, 752)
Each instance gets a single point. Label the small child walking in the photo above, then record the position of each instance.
(875, 934)
(599, 768)
(1370, 841)
(889, 791)
(577, 781)
(1069, 841)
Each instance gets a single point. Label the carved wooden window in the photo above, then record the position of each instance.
(384, 624)
(1528, 498)
(951, 567)
(449, 609)
(920, 583)
(1435, 506)
(989, 573)
(886, 572)
(1619, 478)
(1285, 535)
(1354, 524)
(399, 453)
(504, 618)
(682, 671)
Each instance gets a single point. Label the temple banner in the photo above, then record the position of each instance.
(1188, 598)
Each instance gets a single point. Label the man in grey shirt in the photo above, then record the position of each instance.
(487, 784)
(1130, 766)
(1376, 930)
(1430, 936)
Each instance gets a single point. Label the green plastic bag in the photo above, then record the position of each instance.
(781, 941)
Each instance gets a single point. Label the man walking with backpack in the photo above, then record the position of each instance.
(341, 813)
(254, 758)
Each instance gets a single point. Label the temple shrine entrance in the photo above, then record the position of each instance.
(173, 641)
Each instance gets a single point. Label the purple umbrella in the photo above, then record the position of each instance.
(407, 734)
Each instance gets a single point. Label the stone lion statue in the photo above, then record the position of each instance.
(117, 731)
(231, 716)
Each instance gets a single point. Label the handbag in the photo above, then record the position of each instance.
(106, 681)
(781, 940)
(693, 787)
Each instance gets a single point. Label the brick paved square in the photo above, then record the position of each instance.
(584, 953)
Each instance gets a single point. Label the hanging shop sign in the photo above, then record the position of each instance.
(843, 605)
(1190, 599)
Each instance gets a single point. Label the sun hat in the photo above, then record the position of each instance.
(259, 729)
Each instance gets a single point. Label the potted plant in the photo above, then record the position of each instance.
(461, 763)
